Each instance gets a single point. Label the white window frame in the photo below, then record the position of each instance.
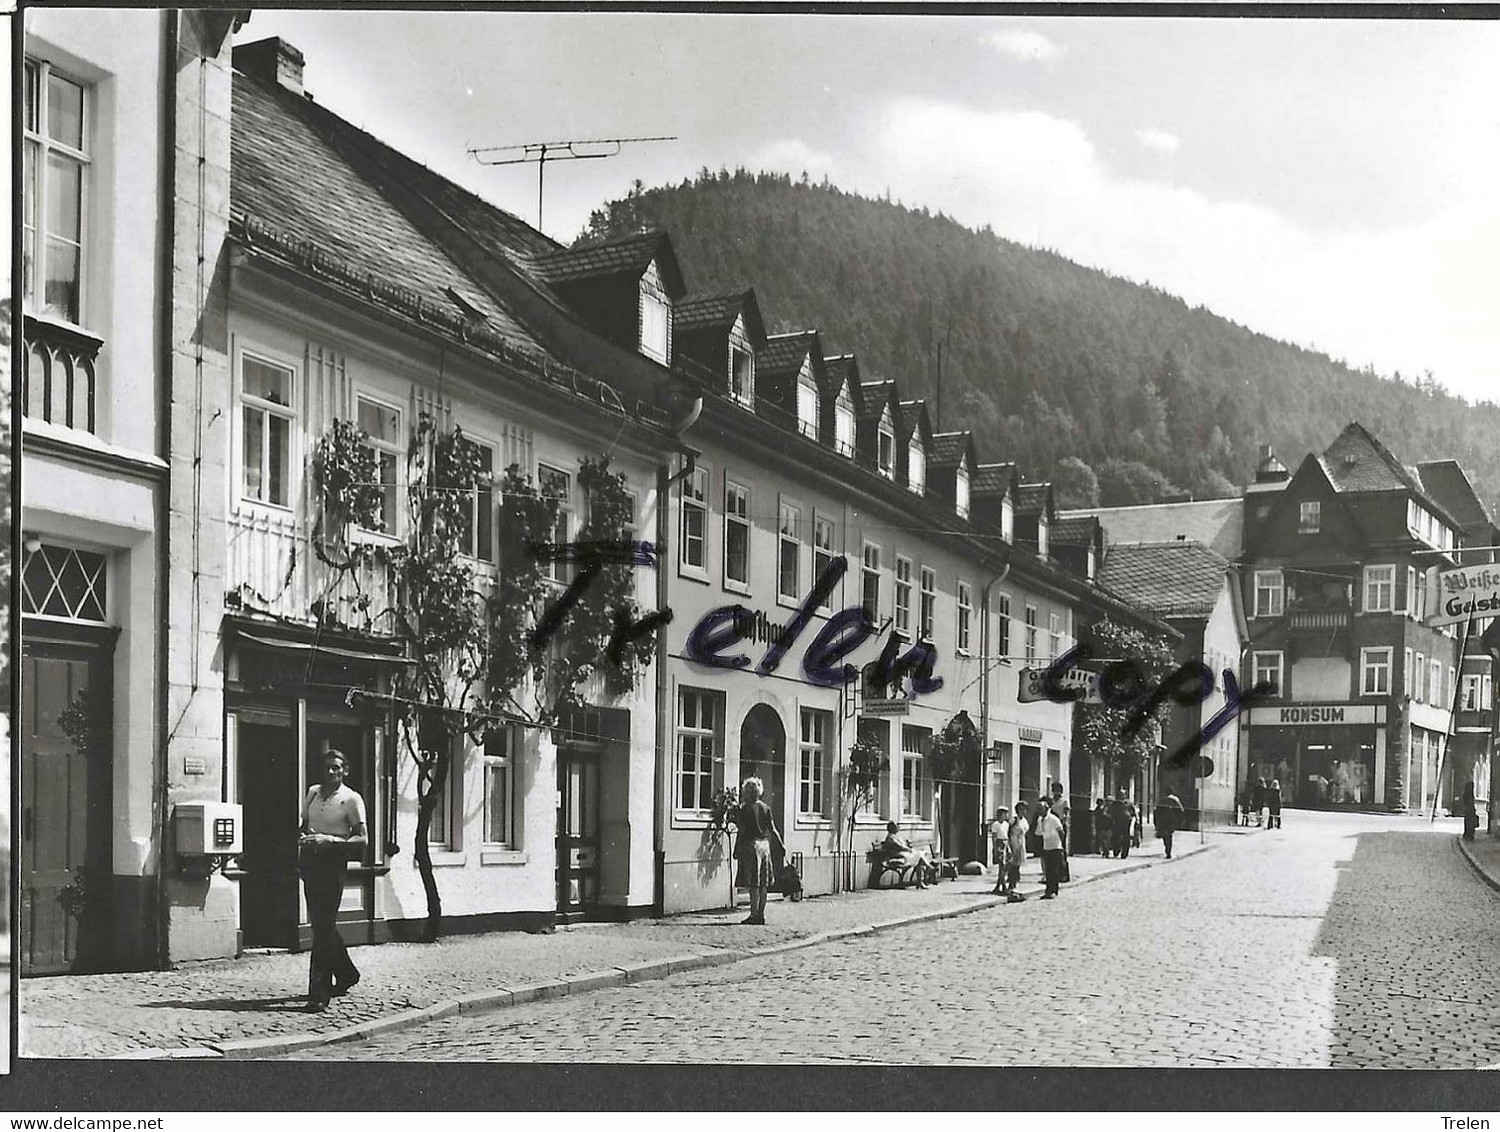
(37, 140)
(1275, 669)
(1486, 693)
(1435, 682)
(1379, 589)
(843, 423)
(965, 600)
(1271, 583)
(1030, 638)
(736, 515)
(814, 749)
(445, 828)
(1002, 627)
(916, 779)
(825, 536)
(1472, 690)
(395, 450)
(1419, 679)
(961, 490)
(501, 764)
(902, 603)
(558, 569)
(1007, 519)
(693, 500)
(885, 445)
(788, 534)
(1054, 635)
(696, 734)
(1310, 517)
(1406, 672)
(482, 498)
(656, 325)
(927, 605)
(1375, 671)
(869, 577)
(742, 395)
(266, 408)
(916, 465)
(807, 405)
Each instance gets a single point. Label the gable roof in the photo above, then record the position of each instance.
(1169, 579)
(996, 479)
(1076, 530)
(1218, 524)
(874, 397)
(949, 448)
(1446, 481)
(841, 370)
(1034, 498)
(696, 313)
(625, 255)
(785, 353)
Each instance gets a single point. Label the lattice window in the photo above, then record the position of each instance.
(62, 581)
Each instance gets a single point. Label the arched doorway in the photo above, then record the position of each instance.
(763, 755)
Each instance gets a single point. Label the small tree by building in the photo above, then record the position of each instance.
(1104, 731)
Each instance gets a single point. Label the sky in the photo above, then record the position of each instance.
(1329, 182)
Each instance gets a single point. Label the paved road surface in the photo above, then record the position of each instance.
(1341, 940)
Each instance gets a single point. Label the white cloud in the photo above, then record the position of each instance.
(1019, 43)
(794, 156)
(1412, 298)
(1158, 141)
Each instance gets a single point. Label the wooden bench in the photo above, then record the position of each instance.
(880, 865)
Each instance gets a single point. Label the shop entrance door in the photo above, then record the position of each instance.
(66, 881)
(269, 791)
(577, 832)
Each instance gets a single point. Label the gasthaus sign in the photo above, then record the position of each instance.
(1472, 591)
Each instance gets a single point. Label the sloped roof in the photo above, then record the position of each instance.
(1032, 498)
(785, 353)
(874, 396)
(1169, 579)
(700, 312)
(948, 448)
(1218, 524)
(625, 255)
(286, 173)
(913, 416)
(1077, 530)
(994, 479)
(1446, 482)
(843, 368)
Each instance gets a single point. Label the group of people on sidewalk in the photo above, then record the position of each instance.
(1261, 799)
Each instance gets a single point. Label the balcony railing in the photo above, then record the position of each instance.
(59, 375)
(1318, 619)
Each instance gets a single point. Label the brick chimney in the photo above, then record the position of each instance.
(272, 60)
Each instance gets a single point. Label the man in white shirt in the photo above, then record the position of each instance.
(333, 831)
(1050, 828)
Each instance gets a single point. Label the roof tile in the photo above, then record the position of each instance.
(1182, 579)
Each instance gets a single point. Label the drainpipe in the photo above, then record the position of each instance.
(984, 683)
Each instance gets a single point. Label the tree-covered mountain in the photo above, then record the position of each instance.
(1044, 360)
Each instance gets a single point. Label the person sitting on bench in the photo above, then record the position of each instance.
(898, 851)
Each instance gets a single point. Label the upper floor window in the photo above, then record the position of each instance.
(1054, 635)
(961, 490)
(916, 466)
(965, 611)
(1419, 678)
(1310, 517)
(869, 587)
(886, 445)
(656, 325)
(693, 532)
(1435, 681)
(807, 408)
(381, 424)
(1002, 627)
(928, 608)
(903, 594)
(1471, 692)
(477, 539)
(55, 158)
(736, 534)
(1406, 672)
(558, 485)
(1375, 672)
(1266, 669)
(1380, 589)
(823, 534)
(843, 424)
(741, 376)
(1270, 593)
(1031, 634)
(788, 554)
(1041, 535)
(266, 420)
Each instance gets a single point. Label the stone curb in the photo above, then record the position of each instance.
(1484, 874)
(497, 998)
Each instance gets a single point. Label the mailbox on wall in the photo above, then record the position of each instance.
(209, 829)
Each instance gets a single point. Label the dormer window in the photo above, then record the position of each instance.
(1007, 519)
(843, 423)
(741, 376)
(887, 451)
(916, 467)
(807, 407)
(1041, 535)
(656, 324)
(961, 490)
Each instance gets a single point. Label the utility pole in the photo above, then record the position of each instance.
(539, 153)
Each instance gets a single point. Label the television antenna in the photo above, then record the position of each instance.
(539, 153)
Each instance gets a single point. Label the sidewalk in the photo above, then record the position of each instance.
(1484, 854)
(252, 1006)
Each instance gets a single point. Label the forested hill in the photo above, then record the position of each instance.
(1048, 362)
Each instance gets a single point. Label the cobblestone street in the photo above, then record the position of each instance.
(1340, 941)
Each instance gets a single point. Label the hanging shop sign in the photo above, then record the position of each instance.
(1473, 591)
(1316, 715)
